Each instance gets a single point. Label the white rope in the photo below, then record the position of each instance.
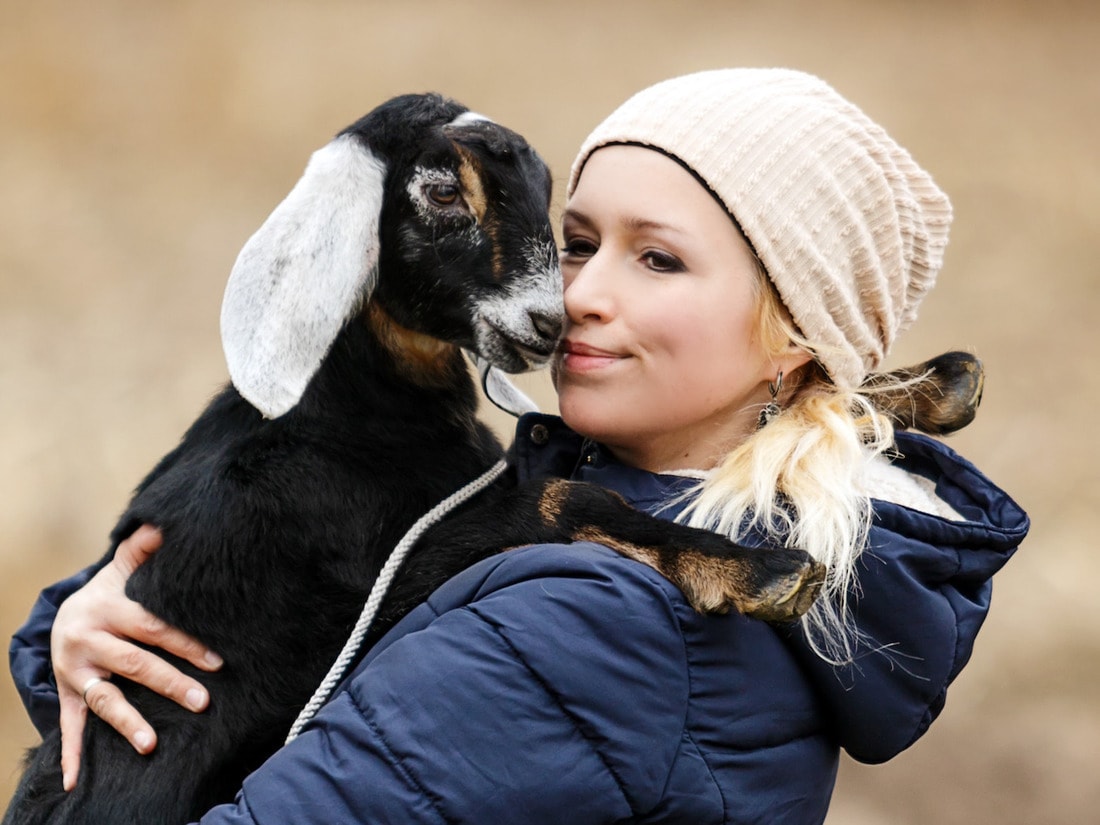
(378, 592)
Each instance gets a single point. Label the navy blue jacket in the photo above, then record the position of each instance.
(566, 684)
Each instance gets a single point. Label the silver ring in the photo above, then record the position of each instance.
(91, 683)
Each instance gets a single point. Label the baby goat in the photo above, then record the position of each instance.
(419, 231)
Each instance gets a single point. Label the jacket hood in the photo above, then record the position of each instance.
(924, 578)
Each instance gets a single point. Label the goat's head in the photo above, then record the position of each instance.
(435, 217)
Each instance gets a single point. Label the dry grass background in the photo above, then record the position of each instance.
(141, 143)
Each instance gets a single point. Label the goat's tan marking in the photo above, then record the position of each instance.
(701, 583)
(492, 229)
(712, 585)
(552, 500)
(470, 173)
(646, 555)
(423, 359)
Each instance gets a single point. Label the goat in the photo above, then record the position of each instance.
(419, 231)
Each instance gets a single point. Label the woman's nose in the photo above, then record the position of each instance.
(588, 293)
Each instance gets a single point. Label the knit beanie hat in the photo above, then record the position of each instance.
(850, 230)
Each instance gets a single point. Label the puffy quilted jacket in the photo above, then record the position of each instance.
(566, 684)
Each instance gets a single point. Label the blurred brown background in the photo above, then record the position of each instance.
(141, 143)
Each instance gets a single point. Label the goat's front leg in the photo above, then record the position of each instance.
(716, 575)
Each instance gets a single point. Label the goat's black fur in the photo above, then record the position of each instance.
(275, 528)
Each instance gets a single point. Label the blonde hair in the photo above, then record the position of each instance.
(798, 480)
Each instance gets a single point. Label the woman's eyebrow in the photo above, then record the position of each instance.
(638, 224)
(576, 217)
(633, 223)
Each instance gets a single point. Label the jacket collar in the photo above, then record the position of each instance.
(544, 446)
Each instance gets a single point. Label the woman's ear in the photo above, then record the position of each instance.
(305, 271)
(790, 360)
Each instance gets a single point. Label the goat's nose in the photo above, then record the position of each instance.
(548, 326)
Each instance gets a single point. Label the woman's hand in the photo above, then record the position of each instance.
(94, 637)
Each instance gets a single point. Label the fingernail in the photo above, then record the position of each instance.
(67, 781)
(213, 659)
(196, 699)
(143, 740)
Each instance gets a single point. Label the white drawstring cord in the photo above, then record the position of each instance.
(378, 592)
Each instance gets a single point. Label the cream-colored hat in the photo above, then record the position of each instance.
(850, 229)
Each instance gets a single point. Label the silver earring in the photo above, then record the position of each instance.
(772, 408)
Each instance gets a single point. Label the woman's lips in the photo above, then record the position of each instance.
(580, 358)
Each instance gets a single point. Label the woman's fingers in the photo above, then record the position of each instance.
(87, 687)
(147, 668)
(106, 701)
(136, 549)
(96, 634)
(73, 714)
(87, 643)
(120, 656)
(143, 626)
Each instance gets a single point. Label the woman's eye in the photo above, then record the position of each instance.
(443, 194)
(578, 248)
(663, 262)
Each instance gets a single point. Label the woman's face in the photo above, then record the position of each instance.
(660, 360)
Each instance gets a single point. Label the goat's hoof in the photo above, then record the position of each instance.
(944, 401)
(961, 379)
(789, 595)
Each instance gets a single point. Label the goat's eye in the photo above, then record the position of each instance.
(443, 194)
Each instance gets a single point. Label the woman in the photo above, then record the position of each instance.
(741, 248)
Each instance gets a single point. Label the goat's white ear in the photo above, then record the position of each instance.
(300, 277)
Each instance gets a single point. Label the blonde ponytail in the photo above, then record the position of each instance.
(798, 481)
